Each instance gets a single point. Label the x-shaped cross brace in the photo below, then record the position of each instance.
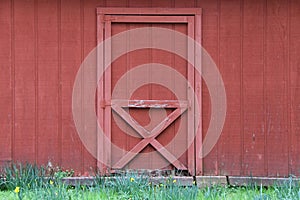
(149, 136)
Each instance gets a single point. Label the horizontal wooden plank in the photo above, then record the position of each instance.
(147, 19)
(149, 11)
(150, 103)
(206, 181)
(264, 181)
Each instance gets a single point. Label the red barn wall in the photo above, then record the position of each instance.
(256, 45)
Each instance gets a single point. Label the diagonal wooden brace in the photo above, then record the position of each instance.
(149, 138)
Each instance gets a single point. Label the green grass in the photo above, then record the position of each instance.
(33, 185)
(153, 193)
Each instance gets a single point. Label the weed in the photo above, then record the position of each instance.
(25, 176)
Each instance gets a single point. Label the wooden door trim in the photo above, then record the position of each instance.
(191, 97)
(103, 148)
(149, 11)
(146, 19)
(100, 95)
(198, 91)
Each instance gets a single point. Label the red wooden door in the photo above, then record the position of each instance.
(148, 125)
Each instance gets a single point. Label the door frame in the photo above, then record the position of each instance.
(191, 16)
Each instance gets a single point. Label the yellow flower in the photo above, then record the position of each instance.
(174, 181)
(17, 190)
(51, 182)
(131, 179)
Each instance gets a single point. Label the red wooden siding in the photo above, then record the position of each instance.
(256, 45)
(253, 82)
(6, 83)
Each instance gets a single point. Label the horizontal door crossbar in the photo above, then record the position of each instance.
(150, 103)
